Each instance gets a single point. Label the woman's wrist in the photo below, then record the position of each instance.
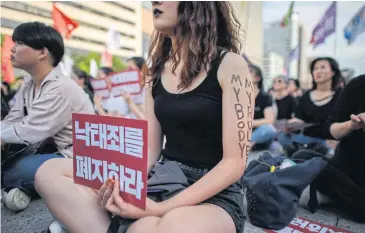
(159, 209)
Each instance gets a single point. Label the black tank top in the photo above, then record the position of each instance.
(192, 121)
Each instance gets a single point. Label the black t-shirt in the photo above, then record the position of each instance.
(262, 101)
(351, 149)
(286, 107)
(309, 112)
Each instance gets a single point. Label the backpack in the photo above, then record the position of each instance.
(273, 194)
(348, 198)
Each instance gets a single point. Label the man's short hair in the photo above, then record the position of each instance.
(39, 36)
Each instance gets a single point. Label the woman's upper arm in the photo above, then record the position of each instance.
(238, 106)
(270, 114)
(154, 128)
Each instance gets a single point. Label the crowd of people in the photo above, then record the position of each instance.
(192, 96)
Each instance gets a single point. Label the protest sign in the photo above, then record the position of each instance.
(101, 87)
(302, 225)
(110, 147)
(117, 83)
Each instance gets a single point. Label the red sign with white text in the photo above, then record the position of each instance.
(111, 147)
(117, 83)
(302, 225)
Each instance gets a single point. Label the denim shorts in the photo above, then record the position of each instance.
(230, 200)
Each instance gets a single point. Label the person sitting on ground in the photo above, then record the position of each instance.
(316, 105)
(43, 108)
(265, 112)
(284, 102)
(83, 80)
(294, 88)
(6, 95)
(198, 95)
(136, 102)
(112, 106)
(347, 125)
(343, 188)
(128, 106)
(6, 92)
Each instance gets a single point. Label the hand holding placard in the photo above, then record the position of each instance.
(111, 147)
(116, 205)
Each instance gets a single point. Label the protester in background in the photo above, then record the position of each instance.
(16, 86)
(6, 92)
(136, 102)
(316, 105)
(271, 91)
(347, 125)
(6, 95)
(114, 105)
(103, 72)
(191, 99)
(342, 82)
(43, 108)
(83, 80)
(294, 88)
(284, 102)
(264, 116)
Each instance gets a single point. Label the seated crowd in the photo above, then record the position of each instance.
(334, 111)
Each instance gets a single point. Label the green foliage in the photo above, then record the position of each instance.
(83, 62)
(2, 39)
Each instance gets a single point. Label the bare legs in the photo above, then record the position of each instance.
(77, 209)
(72, 205)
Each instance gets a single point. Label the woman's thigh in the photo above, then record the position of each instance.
(204, 218)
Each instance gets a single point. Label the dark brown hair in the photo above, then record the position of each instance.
(203, 28)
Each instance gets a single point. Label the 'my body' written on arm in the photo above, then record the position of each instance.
(244, 114)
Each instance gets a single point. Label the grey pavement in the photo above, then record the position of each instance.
(36, 218)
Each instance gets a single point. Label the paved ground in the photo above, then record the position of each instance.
(36, 219)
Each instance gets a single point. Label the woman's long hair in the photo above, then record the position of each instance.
(203, 29)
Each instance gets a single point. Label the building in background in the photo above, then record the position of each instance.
(249, 15)
(289, 43)
(95, 18)
(147, 27)
(273, 66)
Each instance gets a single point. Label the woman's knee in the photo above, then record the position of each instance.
(146, 224)
(49, 171)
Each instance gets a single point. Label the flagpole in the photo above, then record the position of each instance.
(335, 41)
(335, 46)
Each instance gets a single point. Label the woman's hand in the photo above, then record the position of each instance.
(127, 97)
(295, 121)
(97, 100)
(357, 121)
(116, 205)
(291, 122)
(105, 192)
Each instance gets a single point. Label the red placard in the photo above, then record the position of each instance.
(302, 225)
(106, 147)
(116, 83)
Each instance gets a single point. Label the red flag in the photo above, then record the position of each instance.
(6, 66)
(63, 23)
